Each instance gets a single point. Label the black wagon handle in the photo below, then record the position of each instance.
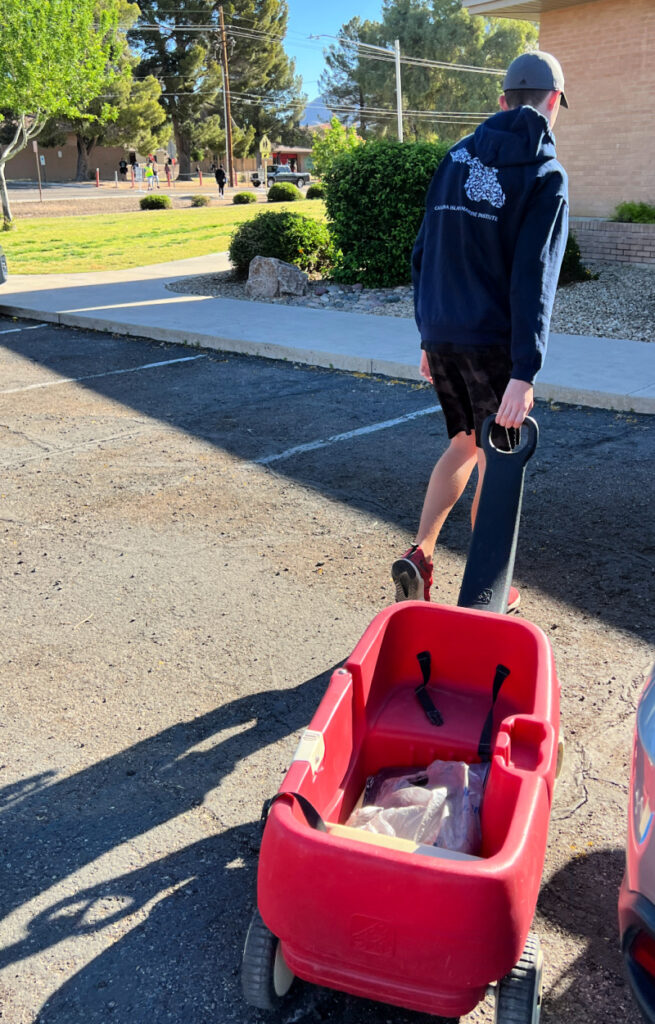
(524, 450)
(490, 563)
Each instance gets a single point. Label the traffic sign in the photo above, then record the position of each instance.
(265, 147)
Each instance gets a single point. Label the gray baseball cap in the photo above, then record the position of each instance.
(537, 70)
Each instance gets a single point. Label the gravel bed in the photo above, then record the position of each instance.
(619, 304)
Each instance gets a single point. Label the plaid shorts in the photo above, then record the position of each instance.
(470, 382)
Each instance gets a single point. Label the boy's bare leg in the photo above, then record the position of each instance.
(447, 483)
(478, 487)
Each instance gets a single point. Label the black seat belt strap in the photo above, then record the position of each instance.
(424, 698)
(312, 817)
(484, 746)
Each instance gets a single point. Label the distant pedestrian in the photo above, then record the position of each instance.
(122, 169)
(155, 171)
(150, 177)
(221, 178)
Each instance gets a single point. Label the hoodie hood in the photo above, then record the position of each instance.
(514, 137)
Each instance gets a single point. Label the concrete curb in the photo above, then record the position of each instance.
(544, 390)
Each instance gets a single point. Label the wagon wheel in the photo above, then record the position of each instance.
(518, 994)
(265, 978)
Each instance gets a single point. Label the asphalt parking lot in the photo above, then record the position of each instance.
(191, 542)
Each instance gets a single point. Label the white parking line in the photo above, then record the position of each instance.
(311, 446)
(94, 376)
(17, 330)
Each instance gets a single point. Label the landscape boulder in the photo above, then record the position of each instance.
(269, 277)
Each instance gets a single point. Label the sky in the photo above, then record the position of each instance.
(307, 17)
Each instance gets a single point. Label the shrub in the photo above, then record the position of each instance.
(283, 192)
(375, 198)
(241, 198)
(635, 213)
(288, 236)
(315, 192)
(332, 143)
(573, 269)
(199, 200)
(155, 203)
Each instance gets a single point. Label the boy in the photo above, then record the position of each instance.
(485, 267)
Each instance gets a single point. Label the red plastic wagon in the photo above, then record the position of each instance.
(390, 919)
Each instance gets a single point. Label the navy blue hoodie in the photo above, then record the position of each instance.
(487, 258)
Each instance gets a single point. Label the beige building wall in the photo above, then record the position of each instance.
(61, 162)
(606, 140)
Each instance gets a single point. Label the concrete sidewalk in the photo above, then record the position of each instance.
(599, 372)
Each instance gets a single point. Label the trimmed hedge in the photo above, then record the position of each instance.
(315, 192)
(241, 198)
(287, 236)
(375, 199)
(199, 200)
(155, 203)
(283, 192)
(634, 213)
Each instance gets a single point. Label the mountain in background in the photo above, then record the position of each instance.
(315, 113)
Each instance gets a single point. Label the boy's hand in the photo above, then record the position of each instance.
(517, 402)
(424, 368)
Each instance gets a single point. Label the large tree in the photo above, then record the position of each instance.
(127, 114)
(54, 58)
(349, 77)
(267, 93)
(179, 42)
(437, 30)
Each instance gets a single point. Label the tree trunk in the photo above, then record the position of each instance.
(84, 149)
(183, 145)
(6, 209)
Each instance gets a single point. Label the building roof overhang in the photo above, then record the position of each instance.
(529, 10)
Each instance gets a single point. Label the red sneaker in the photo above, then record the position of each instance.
(513, 601)
(412, 575)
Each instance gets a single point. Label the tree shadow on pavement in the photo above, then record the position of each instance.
(581, 900)
(587, 536)
(187, 912)
(52, 830)
(183, 961)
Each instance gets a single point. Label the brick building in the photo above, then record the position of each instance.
(606, 140)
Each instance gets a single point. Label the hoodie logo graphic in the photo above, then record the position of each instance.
(482, 183)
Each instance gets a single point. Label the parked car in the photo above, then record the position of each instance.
(637, 896)
(282, 173)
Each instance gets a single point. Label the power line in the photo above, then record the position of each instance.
(368, 50)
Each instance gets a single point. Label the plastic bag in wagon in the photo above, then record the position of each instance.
(436, 806)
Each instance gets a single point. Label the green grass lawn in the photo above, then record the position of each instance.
(55, 245)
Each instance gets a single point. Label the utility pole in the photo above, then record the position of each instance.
(226, 98)
(228, 161)
(399, 94)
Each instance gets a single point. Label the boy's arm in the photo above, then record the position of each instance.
(417, 259)
(535, 271)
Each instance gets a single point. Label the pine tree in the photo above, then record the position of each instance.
(267, 93)
(439, 30)
(344, 84)
(179, 41)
